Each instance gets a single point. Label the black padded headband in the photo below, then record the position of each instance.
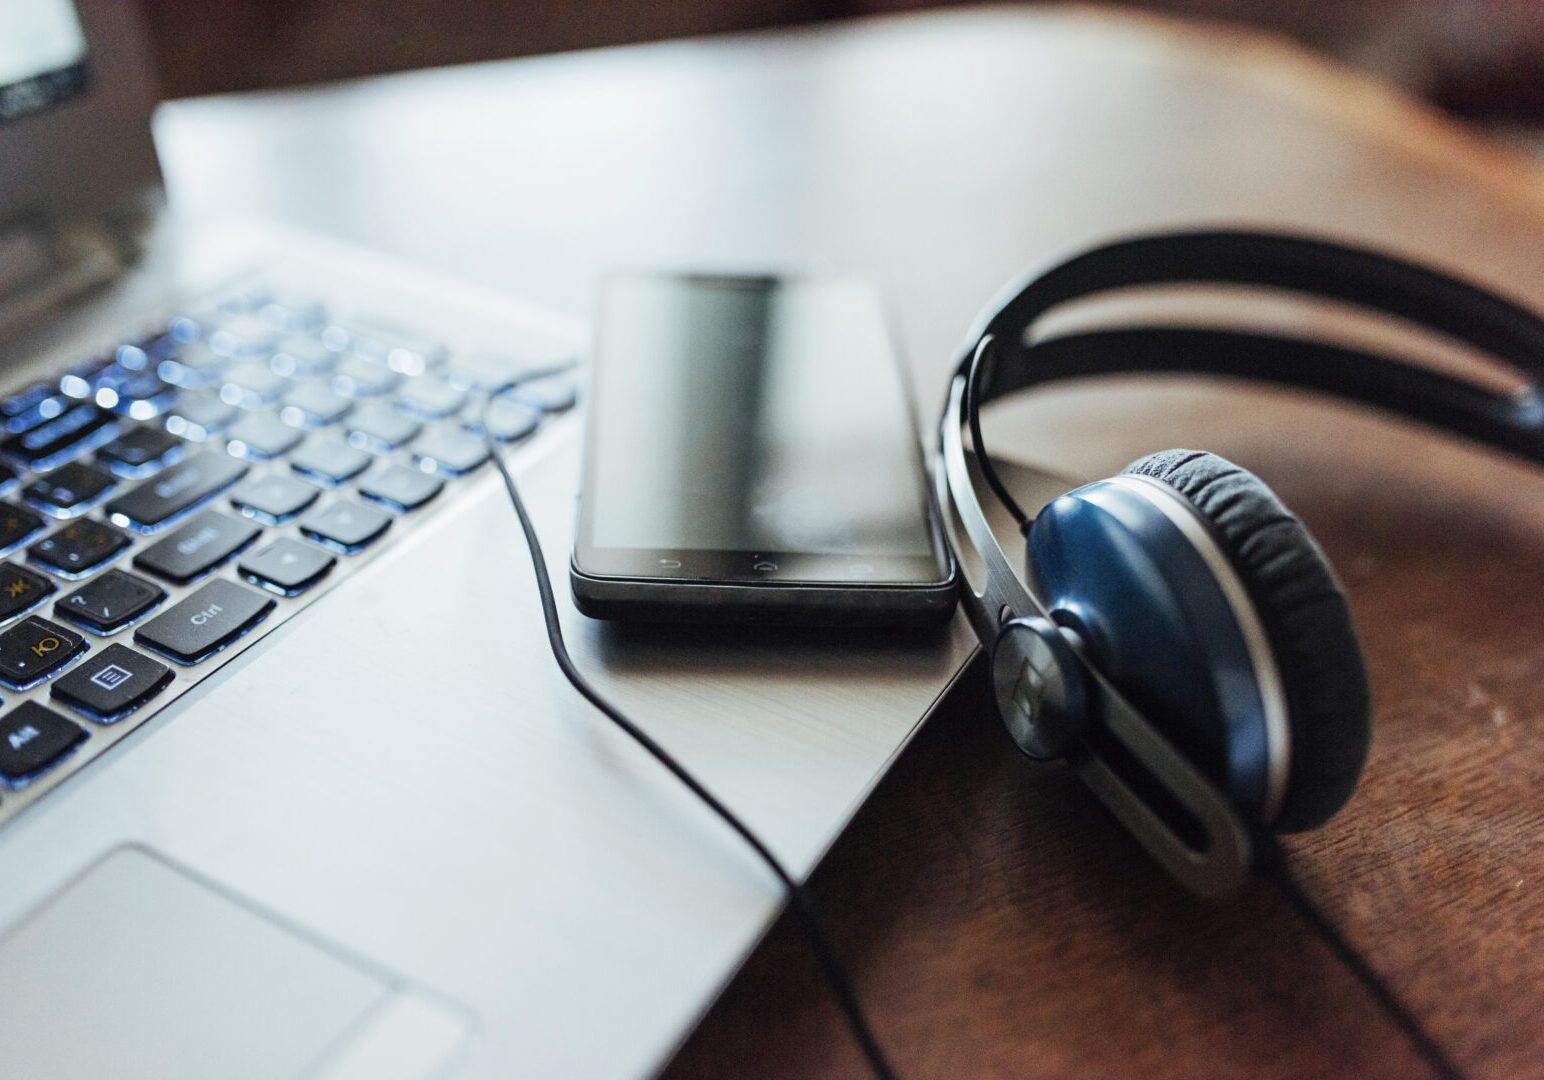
(1422, 296)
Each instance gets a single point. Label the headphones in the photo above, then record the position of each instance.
(1179, 639)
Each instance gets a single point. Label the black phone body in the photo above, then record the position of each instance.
(751, 455)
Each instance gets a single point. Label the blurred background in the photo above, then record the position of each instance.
(1479, 59)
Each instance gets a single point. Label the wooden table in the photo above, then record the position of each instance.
(995, 919)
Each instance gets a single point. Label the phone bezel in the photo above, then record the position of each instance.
(755, 570)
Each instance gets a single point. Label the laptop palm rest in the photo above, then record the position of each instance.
(137, 968)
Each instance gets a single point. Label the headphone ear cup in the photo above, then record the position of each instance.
(1305, 617)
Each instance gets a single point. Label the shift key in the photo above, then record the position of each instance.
(179, 488)
(207, 621)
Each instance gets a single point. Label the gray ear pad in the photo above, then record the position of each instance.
(1305, 616)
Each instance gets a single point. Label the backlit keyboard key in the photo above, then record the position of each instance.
(550, 393)
(274, 498)
(313, 405)
(303, 357)
(357, 378)
(213, 617)
(16, 524)
(109, 602)
(430, 397)
(69, 488)
(401, 488)
(78, 548)
(329, 460)
(112, 683)
(34, 649)
(379, 427)
(346, 526)
(450, 450)
(33, 406)
(262, 435)
(509, 418)
(251, 385)
(178, 489)
(286, 566)
(21, 589)
(141, 451)
(197, 546)
(64, 436)
(32, 738)
(199, 416)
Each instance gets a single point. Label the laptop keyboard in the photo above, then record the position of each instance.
(170, 497)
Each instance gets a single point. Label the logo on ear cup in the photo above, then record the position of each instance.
(1028, 692)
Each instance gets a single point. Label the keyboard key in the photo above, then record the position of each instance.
(113, 683)
(550, 393)
(242, 335)
(21, 589)
(430, 398)
(140, 452)
(79, 382)
(109, 602)
(193, 366)
(16, 524)
(487, 371)
(400, 350)
(213, 617)
(34, 649)
(274, 498)
(286, 566)
(303, 357)
(178, 489)
(262, 435)
(78, 548)
(510, 418)
(196, 547)
(251, 385)
(138, 395)
(32, 738)
(313, 405)
(329, 460)
(199, 416)
(70, 488)
(346, 526)
(358, 378)
(293, 314)
(450, 450)
(50, 444)
(38, 403)
(379, 427)
(401, 488)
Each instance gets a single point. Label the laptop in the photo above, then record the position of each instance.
(289, 785)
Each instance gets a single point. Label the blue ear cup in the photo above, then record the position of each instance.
(1207, 603)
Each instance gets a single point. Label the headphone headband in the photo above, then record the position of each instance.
(1422, 296)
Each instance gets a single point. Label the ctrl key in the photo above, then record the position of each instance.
(213, 617)
(32, 738)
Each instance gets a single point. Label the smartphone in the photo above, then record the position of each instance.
(751, 455)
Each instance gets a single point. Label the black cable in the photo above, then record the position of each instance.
(1271, 865)
(973, 386)
(802, 902)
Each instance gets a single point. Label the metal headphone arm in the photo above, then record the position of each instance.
(1192, 828)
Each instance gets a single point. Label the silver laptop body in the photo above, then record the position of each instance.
(375, 833)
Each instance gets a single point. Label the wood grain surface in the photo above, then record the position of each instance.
(995, 919)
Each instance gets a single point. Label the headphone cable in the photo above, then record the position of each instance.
(1271, 865)
(798, 894)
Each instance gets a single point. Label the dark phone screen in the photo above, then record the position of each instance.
(752, 429)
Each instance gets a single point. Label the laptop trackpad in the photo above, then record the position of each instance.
(138, 969)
